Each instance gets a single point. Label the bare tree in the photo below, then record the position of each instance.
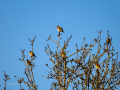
(6, 79)
(29, 69)
(88, 70)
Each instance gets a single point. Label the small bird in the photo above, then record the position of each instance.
(28, 63)
(32, 54)
(60, 29)
(62, 54)
(97, 65)
(108, 41)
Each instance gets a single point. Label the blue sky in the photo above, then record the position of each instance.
(22, 20)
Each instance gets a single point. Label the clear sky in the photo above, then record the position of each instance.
(21, 20)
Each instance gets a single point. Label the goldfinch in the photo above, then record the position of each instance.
(62, 53)
(28, 63)
(108, 41)
(60, 29)
(32, 54)
(97, 65)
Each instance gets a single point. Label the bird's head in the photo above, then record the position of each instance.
(27, 60)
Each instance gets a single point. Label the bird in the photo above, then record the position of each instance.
(60, 29)
(108, 41)
(62, 54)
(32, 54)
(97, 65)
(28, 63)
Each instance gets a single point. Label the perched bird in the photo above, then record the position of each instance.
(60, 29)
(63, 54)
(28, 63)
(97, 65)
(32, 54)
(108, 41)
